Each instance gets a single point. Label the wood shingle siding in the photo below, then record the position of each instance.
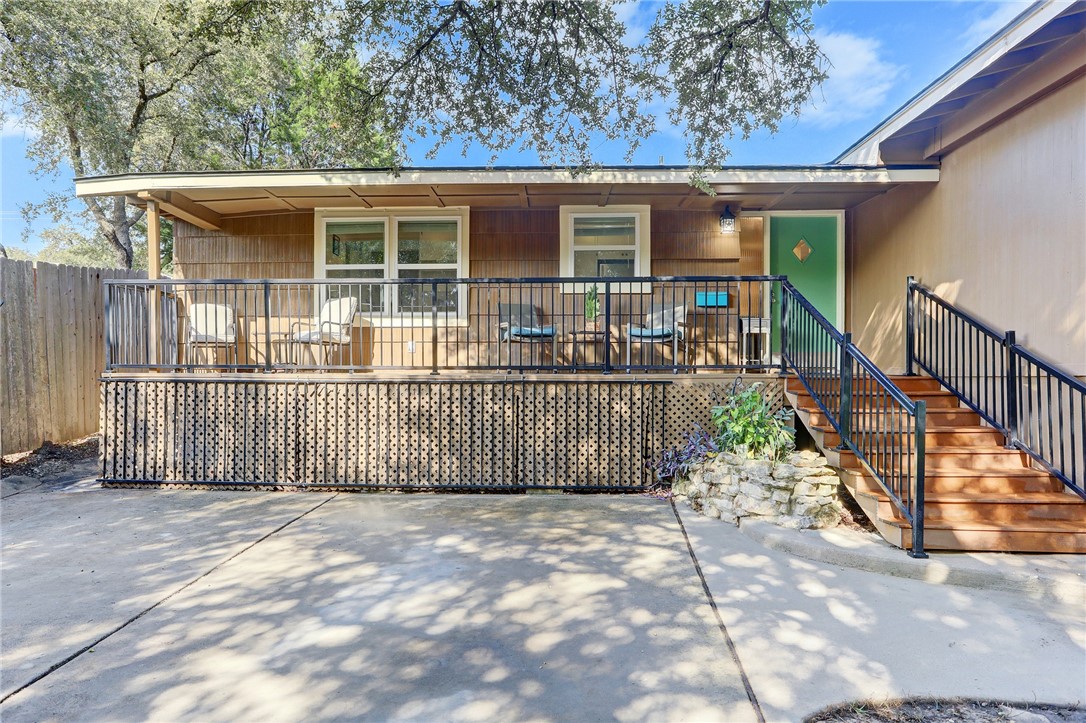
(503, 243)
(278, 246)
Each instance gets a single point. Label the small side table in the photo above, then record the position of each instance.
(755, 327)
(588, 348)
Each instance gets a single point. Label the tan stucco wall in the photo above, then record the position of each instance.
(1003, 235)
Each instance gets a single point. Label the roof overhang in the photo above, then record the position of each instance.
(1036, 53)
(206, 198)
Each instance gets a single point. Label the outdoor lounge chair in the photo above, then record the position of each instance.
(664, 324)
(211, 326)
(524, 323)
(331, 327)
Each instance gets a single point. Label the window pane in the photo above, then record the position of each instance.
(427, 242)
(361, 242)
(416, 297)
(603, 263)
(371, 297)
(604, 231)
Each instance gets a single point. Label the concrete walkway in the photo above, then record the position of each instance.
(136, 605)
(812, 634)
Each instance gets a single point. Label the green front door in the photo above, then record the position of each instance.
(804, 248)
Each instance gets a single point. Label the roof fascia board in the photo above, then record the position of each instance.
(135, 183)
(1067, 64)
(866, 150)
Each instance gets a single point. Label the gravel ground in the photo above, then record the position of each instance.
(50, 459)
(949, 711)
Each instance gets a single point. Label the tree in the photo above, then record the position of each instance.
(66, 244)
(556, 76)
(307, 109)
(120, 86)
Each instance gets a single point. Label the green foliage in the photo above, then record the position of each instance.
(122, 86)
(748, 426)
(734, 67)
(592, 303)
(554, 77)
(306, 109)
(66, 244)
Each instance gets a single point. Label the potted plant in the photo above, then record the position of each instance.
(592, 307)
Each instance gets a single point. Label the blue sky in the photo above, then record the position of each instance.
(882, 53)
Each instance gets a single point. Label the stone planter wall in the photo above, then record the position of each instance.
(800, 492)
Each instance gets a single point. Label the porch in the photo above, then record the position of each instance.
(439, 326)
(558, 383)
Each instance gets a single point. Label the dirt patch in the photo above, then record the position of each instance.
(50, 459)
(853, 517)
(949, 711)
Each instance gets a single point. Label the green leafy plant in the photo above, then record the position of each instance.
(592, 303)
(747, 425)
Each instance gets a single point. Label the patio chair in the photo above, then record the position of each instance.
(211, 326)
(331, 327)
(664, 324)
(524, 323)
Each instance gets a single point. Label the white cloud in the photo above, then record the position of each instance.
(858, 83)
(637, 16)
(985, 27)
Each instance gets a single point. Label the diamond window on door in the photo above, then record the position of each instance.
(802, 250)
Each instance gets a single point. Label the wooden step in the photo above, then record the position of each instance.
(933, 399)
(934, 437)
(946, 458)
(904, 383)
(991, 509)
(1050, 536)
(970, 481)
(937, 417)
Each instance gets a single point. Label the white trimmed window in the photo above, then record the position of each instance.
(604, 242)
(394, 246)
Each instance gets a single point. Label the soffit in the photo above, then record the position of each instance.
(750, 189)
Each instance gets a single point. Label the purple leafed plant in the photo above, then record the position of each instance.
(672, 463)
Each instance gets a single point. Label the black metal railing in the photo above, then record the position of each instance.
(874, 419)
(1039, 409)
(676, 324)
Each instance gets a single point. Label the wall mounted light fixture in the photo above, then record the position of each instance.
(728, 221)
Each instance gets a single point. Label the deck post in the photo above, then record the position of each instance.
(784, 326)
(433, 328)
(910, 320)
(1011, 399)
(154, 272)
(267, 326)
(921, 429)
(845, 413)
(607, 328)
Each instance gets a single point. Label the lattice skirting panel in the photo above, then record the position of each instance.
(347, 432)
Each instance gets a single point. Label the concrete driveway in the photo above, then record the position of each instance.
(384, 607)
(136, 605)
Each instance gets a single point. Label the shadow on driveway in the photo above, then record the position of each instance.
(381, 607)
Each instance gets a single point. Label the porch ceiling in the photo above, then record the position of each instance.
(209, 197)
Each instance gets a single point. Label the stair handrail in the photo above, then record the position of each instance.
(1008, 385)
(828, 365)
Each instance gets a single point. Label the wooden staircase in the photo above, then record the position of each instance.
(979, 495)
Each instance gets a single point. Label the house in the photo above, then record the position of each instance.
(520, 327)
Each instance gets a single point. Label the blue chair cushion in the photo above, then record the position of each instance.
(532, 331)
(659, 332)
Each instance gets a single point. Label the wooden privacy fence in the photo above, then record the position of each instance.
(51, 351)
